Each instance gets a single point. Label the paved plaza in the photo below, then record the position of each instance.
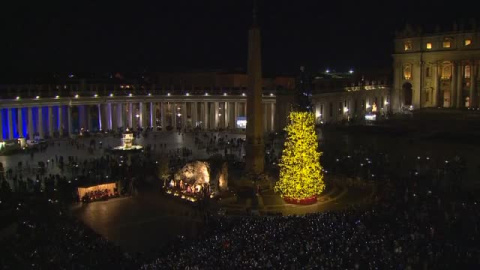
(163, 142)
(148, 221)
(144, 223)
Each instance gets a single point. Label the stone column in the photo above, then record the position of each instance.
(20, 122)
(438, 84)
(114, 115)
(417, 87)
(473, 90)
(173, 106)
(163, 119)
(60, 120)
(100, 116)
(109, 116)
(145, 118)
(89, 118)
(226, 111)
(120, 115)
(70, 124)
(81, 117)
(194, 114)
(272, 116)
(151, 115)
(137, 116)
(205, 115)
(460, 100)
(453, 86)
(216, 116)
(40, 123)
(30, 123)
(10, 123)
(50, 121)
(130, 115)
(184, 115)
(117, 115)
(1, 125)
(235, 114)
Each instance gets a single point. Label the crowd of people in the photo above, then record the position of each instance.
(47, 237)
(419, 218)
(411, 225)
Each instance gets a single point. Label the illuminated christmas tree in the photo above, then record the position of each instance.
(301, 178)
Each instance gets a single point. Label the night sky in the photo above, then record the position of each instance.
(199, 35)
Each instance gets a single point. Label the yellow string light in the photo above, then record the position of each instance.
(300, 170)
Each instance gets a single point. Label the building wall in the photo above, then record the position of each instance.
(441, 68)
(351, 103)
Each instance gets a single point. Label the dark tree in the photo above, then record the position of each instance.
(303, 91)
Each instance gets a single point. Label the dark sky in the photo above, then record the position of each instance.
(185, 35)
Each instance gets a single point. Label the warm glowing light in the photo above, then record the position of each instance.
(187, 94)
(468, 42)
(446, 43)
(206, 94)
(301, 175)
(168, 94)
(76, 96)
(429, 46)
(345, 109)
(446, 71)
(407, 72)
(179, 114)
(271, 94)
(111, 94)
(467, 72)
(57, 97)
(407, 46)
(37, 97)
(224, 94)
(370, 117)
(243, 94)
(17, 98)
(95, 95)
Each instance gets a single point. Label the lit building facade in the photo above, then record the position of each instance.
(343, 99)
(46, 110)
(436, 70)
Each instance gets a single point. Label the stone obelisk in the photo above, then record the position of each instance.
(255, 148)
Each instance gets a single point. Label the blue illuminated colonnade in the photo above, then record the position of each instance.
(44, 118)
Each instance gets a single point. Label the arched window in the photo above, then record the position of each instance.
(446, 71)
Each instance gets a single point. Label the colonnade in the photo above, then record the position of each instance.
(38, 121)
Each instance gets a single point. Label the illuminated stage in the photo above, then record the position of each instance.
(194, 182)
(127, 143)
(97, 192)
